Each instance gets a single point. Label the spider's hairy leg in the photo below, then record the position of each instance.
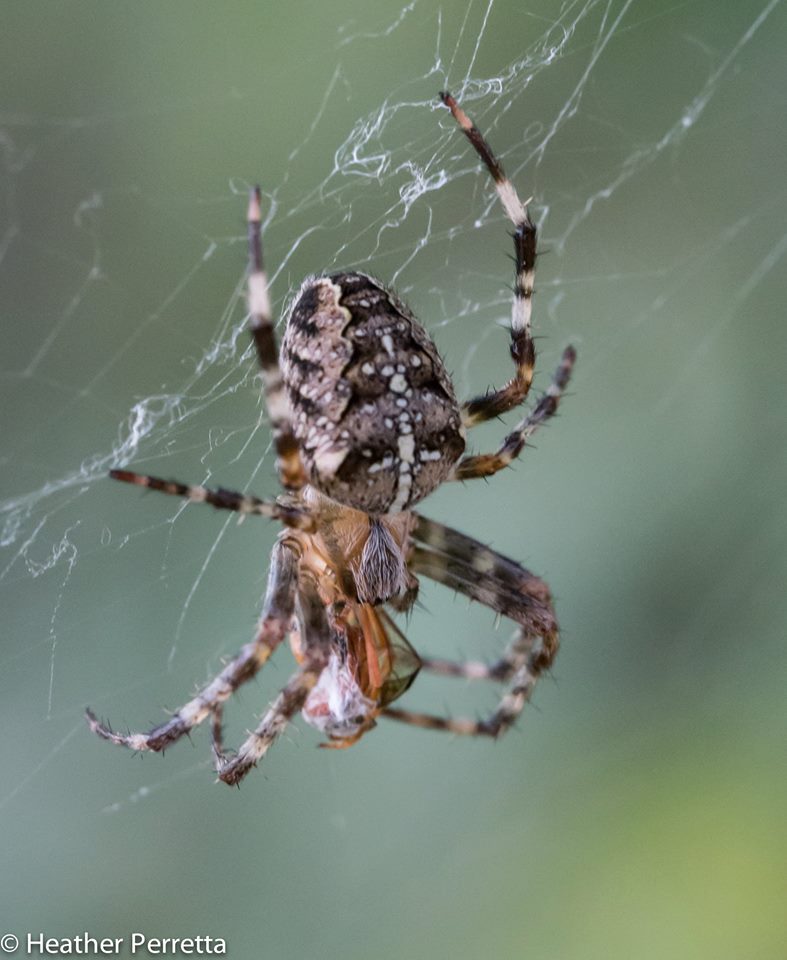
(480, 573)
(431, 721)
(465, 565)
(216, 734)
(274, 626)
(522, 348)
(317, 635)
(221, 499)
(487, 464)
(288, 460)
(514, 665)
(232, 769)
(498, 671)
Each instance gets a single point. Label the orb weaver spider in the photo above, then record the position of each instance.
(365, 425)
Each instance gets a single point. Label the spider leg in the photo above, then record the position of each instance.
(431, 721)
(233, 768)
(458, 561)
(523, 351)
(221, 499)
(486, 464)
(499, 670)
(513, 665)
(317, 636)
(274, 626)
(469, 566)
(288, 460)
(216, 734)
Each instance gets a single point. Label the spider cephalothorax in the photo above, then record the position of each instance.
(366, 423)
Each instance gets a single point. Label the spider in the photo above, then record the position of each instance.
(365, 424)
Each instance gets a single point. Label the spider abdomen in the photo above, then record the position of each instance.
(373, 408)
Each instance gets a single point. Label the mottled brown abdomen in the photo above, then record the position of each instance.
(373, 407)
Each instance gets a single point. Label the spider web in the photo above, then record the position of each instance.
(122, 278)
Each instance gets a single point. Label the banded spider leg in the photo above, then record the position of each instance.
(467, 566)
(274, 626)
(522, 348)
(288, 460)
(318, 637)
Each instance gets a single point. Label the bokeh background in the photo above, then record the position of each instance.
(638, 811)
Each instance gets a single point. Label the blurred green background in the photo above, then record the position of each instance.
(638, 811)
